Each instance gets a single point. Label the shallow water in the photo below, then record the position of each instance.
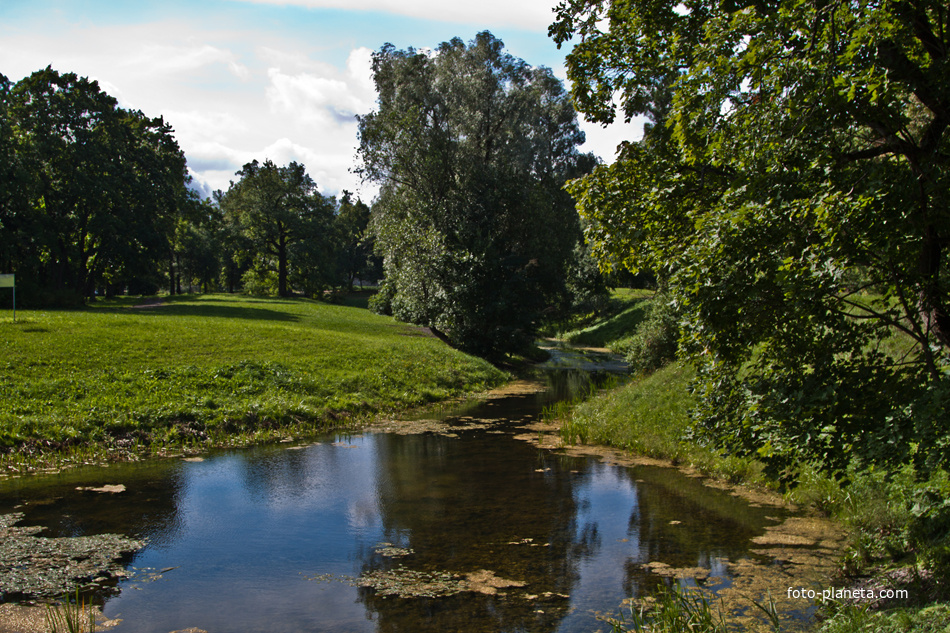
(275, 538)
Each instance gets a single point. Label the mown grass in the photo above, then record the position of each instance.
(627, 309)
(215, 365)
(651, 417)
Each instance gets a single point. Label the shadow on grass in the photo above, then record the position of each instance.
(221, 311)
(617, 327)
(204, 309)
(230, 299)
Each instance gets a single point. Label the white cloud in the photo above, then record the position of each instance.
(326, 94)
(603, 141)
(216, 126)
(185, 57)
(533, 15)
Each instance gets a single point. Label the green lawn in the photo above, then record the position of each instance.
(628, 308)
(215, 364)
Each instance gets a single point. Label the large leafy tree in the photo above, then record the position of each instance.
(355, 259)
(793, 190)
(285, 221)
(472, 147)
(95, 187)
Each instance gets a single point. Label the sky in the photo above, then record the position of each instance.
(240, 80)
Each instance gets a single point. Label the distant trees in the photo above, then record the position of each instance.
(94, 199)
(285, 222)
(472, 147)
(355, 257)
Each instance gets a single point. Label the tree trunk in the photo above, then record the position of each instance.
(933, 307)
(282, 267)
(171, 274)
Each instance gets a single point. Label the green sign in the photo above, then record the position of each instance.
(6, 281)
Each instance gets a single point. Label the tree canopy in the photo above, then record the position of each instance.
(90, 189)
(285, 221)
(792, 190)
(472, 147)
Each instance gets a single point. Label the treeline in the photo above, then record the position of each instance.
(95, 200)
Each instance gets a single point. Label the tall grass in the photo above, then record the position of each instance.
(676, 610)
(72, 616)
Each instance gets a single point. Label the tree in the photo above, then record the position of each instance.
(285, 220)
(355, 257)
(9, 179)
(97, 186)
(793, 190)
(472, 147)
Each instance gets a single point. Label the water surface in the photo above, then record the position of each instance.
(274, 538)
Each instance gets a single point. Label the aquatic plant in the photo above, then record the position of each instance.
(676, 610)
(72, 616)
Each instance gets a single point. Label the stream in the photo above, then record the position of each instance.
(454, 521)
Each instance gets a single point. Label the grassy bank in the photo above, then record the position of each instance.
(899, 521)
(199, 369)
(614, 328)
(651, 417)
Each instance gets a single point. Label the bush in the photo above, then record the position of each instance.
(259, 283)
(657, 339)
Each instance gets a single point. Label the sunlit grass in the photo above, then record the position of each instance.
(199, 365)
(628, 308)
(651, 417)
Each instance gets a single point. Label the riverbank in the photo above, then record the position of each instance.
(116, 380)
(896, 520)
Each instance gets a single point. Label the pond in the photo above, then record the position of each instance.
(460, 524)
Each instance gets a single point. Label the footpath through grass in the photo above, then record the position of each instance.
(198, 369)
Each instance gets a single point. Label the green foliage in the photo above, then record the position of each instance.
(855, 619)
(929, 528)
(355, 259)
(472, 147)
(677, 610)
(90, 192)
(791, 190)
(894, 515)
(258, 282)
(286, 224)
(656, 339)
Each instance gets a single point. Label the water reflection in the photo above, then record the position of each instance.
(274, 538)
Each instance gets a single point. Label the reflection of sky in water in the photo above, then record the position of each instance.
(252, 528)
(245, 529)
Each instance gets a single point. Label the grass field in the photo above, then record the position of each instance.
(628, 308)
(202, 366)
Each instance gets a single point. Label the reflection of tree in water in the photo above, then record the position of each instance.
(479, 502)
(148, 507)
(681, 522)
